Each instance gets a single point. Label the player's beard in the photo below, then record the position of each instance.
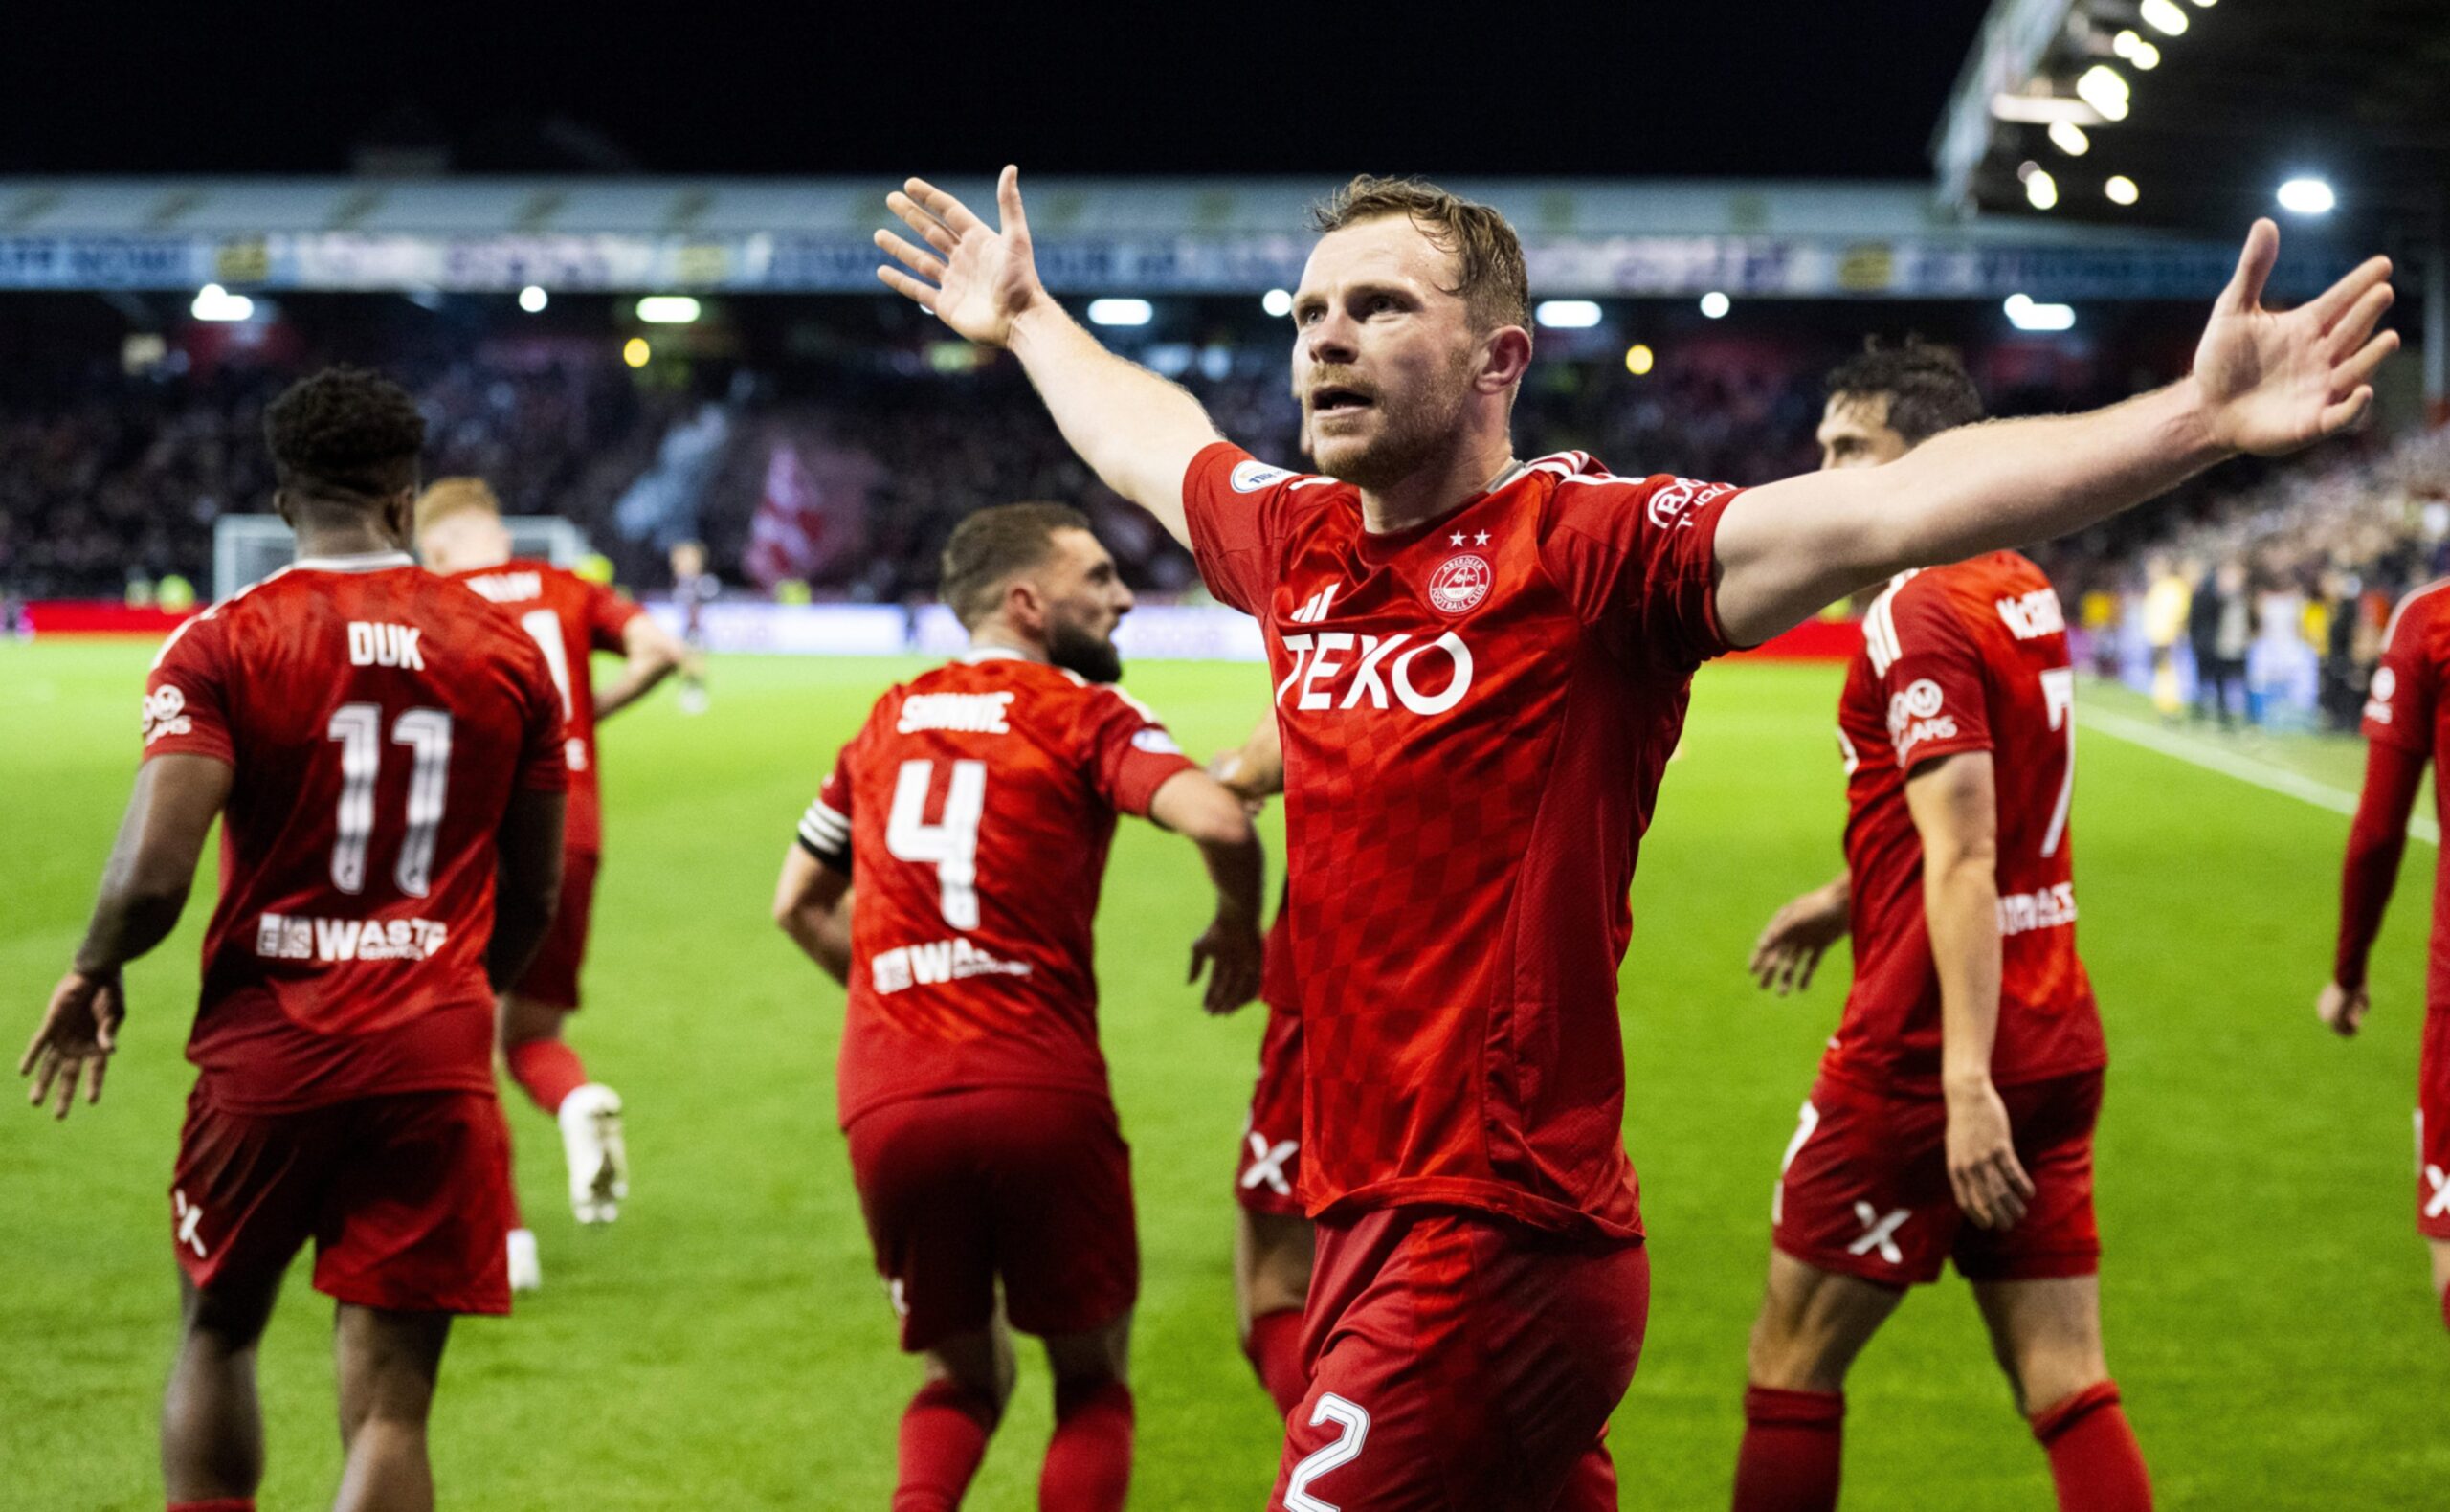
(1071, 647)
(1413, 429)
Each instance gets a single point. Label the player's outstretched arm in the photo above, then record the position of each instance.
(2376, 842)
(1798, 935)
(1135, 430)
(813, 905)
(527, 884)
(649, 655)
(2264, 382)
(1203, 810)
(144, 888)
(1955, 800)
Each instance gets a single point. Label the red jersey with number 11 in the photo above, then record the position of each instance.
(972, 813)
(570, 619)
(376, 717)
(1970, 657)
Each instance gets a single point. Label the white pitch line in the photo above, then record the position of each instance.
(2245, 768)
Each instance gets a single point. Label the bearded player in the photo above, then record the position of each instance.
(1272, 1237)
(973, 811)
(1482, 665)
(460, 534)
(2407, 724)
(379, 743)
(1954, 1115)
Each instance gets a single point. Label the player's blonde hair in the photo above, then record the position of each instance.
(455, 495)
(1490, 274)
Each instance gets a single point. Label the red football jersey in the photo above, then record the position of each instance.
(972, 813)
(1476, 713)
(2404, 708)
(377, 718)
(570, 619)
(1970, 657)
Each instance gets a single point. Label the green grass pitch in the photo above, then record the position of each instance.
(726, 1344)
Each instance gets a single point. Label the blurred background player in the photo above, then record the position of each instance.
(1273, 1235)
(983, 1134)
(1954, 1115)
(2407, 724)
(379, 743)
(460, 534)
(693, 588)
(1483, 666)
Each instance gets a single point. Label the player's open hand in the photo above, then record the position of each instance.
(1798, 936)
(2273, 381)
(1990, 1183)
(80, 1030)
(1232, 951)
(2343, 1008)
(977, 278)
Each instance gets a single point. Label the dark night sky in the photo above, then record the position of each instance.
(1743, 88)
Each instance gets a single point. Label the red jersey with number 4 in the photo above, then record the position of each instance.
(2404, 706)
(972, 813)
(377, 718)
(570, 619)
(1970, 657)
(1476, 713)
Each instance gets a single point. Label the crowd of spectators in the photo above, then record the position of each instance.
(2267, 603)
(2258, 595)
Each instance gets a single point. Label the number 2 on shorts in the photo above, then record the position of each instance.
(1355, 1420)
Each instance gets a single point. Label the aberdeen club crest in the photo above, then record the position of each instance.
(1459, 585)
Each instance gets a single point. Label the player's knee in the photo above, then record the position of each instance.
(2045, 1378)
(1788, 1353)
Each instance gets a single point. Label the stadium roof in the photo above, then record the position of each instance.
(2242, 96)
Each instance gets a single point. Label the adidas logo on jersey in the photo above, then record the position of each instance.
(385, 645)
(283, 937)
(2035, 615)
(937, 962)
(972, 712)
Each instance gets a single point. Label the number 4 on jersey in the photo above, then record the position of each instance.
(950, 845)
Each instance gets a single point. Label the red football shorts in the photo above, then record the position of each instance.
(552, 977)
(1029, 1187)
(2433, 1129)
(1265, 1177)
(406, 1198)
(1462, 1361)
(1864, 1189)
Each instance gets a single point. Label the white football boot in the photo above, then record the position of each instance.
(526, 1269)
(591, 1119)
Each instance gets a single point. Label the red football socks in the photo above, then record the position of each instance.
(1792, 1444)
(944, 1435)
(2093, 1456)
(1274, 1350)
(1088, 1461)
(216, 1505)
(2446, 1307)
(547, 1070)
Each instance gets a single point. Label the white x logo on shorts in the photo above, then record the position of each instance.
(1877, 1229)
(189, 1216)
(1267, 1165)
(2438, 1204)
